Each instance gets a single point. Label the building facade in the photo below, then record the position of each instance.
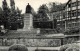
(68, 15)
(59, 14)
(72, 17)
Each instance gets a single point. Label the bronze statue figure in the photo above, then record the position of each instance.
(28, 8)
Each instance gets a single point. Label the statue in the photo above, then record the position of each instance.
(28, 8)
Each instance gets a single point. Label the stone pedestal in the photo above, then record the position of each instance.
(28, 22)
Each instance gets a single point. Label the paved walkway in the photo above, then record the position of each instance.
(34, 48)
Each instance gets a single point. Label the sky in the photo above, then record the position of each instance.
(34, 3)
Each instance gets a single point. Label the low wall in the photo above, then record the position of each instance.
(39, 42)
(32, 42)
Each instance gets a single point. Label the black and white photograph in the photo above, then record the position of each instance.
(39, 25)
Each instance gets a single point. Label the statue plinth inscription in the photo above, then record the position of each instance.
(28, 21)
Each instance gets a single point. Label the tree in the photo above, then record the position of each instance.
(0, 11)
(42, 13)
(54, 6)
(5, 14)
(20, 16)
(11, 15)
(1, 15)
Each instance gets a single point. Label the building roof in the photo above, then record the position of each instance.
(67, 2)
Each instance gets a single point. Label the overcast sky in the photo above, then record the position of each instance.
(34, 3)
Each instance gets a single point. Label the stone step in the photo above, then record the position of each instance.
(22, 32)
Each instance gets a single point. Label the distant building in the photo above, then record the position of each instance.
(59, 14)
(72, 10)
(67, 15)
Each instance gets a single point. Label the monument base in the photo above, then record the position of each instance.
(27, 29)
(28, 22)
(28, 25)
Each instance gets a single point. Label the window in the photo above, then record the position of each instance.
(73, 13)
(63, 15)
(69, 5)
(69, 25)
(79, 12)
(74, 4)
(78, 3)
(69, 13)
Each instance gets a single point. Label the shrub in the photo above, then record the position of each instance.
(64, 47)
(70, 47)
(73, 48)
(74, 30)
